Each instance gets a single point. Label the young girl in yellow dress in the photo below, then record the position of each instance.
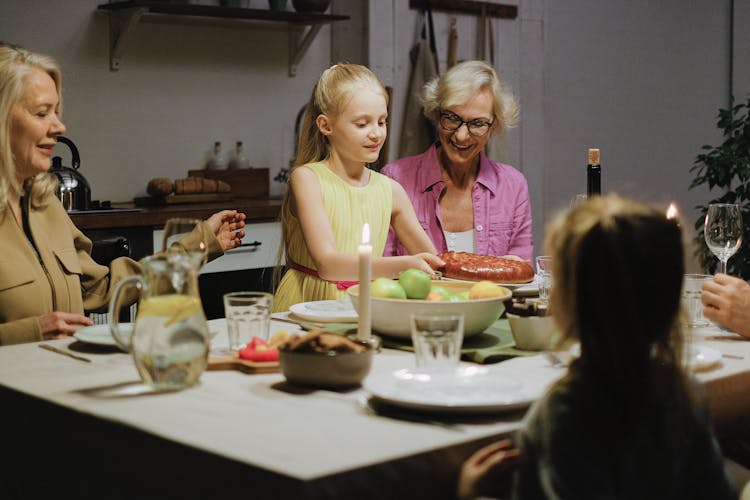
(332, 193)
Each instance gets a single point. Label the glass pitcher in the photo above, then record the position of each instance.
(170, 339)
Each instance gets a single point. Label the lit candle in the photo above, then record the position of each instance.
(365, 275)
(671, 211)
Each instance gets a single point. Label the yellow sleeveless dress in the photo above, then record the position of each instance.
(347, 208)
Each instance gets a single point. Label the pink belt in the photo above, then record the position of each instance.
(341, 285)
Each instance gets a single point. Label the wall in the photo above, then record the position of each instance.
(180, 87)
(640, 80)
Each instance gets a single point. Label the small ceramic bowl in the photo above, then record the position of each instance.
(331, 369)
(532, 333)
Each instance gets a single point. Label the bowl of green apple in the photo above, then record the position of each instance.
(394, 301)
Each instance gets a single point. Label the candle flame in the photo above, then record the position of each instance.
(366, 234)
(672, 211)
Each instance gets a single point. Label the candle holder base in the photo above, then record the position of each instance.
(373, 343)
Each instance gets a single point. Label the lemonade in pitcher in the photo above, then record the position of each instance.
(173, 352)
(170, 338)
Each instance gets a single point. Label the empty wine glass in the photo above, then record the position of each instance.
(178, 228)
(723, 231)
(578, 199)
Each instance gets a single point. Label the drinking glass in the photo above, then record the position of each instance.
(248, 315)
(723, 231)
(177, 228)
(691, 299)
(544, 270)
(437, 339)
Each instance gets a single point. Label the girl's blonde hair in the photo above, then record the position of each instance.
(618, 266)
(461, 83)
(329, 97)
(15, 65)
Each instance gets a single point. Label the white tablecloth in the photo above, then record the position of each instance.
(278, 440)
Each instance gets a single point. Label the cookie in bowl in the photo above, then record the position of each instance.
(326, 360)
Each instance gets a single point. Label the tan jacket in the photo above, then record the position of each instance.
(55, 273)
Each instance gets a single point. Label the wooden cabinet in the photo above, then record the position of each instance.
(249, 267)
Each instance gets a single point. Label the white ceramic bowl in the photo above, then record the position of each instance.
(532, 333)
(392, 316)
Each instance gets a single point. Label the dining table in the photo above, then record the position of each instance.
(88, 427)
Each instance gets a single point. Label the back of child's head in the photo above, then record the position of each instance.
(617, 268)
(329, 97)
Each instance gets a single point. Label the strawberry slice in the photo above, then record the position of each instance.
(266, 355)
(257, 341)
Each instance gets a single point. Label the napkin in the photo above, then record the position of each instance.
(493, 345)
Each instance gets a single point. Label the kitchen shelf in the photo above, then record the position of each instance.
(125, 15)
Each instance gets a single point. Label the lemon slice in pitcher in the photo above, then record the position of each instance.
(173, 307)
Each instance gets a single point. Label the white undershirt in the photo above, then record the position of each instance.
(460, 242)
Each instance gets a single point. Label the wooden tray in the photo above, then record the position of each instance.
(175, 199)
(235, 363)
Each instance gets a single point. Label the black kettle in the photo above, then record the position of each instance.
(72, 187)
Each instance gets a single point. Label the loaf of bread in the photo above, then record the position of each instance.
(189, 185)
(160, 186)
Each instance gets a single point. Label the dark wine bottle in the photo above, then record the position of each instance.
(593, 174)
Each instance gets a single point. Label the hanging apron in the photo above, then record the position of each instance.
(417, 131)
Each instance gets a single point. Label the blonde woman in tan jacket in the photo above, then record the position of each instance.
(47, 276)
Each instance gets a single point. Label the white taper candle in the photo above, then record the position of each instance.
(365, 276)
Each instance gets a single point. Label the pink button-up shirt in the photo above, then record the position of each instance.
(502, 211)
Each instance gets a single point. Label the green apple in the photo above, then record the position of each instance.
(438, 294)
(416, 283)
(387, 289)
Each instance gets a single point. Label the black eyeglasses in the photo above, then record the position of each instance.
(477, 128)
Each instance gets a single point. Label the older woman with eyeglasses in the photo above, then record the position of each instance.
(464, 200)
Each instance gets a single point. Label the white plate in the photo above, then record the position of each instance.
(700, 357)
(474, 389)
(100, 335)
(325, 311)
(530, 288)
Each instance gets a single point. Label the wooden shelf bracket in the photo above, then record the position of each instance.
(300, 39)
(121, 24)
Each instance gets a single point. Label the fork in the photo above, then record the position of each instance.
(553, 360)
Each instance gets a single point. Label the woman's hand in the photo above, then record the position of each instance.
(61, 324)
(488, 471)
(227, 226)
(726, 299)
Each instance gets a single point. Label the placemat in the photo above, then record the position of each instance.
(491, 346)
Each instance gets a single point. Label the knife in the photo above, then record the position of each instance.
(64, 353)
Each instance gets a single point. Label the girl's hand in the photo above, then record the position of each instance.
(227, 226)
(488, 471)
(427, 262)
(61, 324)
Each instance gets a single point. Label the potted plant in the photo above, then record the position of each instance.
(727, 167)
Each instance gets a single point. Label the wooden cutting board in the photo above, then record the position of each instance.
(176, 199)
(235, 363)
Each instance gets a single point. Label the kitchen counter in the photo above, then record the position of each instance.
(261, 209)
